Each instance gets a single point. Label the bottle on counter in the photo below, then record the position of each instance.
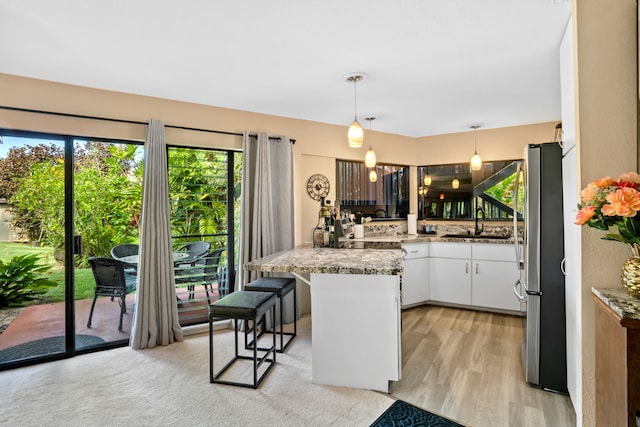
(326, 242)
(318, 230)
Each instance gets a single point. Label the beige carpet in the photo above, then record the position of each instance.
(169, 386)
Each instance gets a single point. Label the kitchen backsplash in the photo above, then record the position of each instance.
(394, 228)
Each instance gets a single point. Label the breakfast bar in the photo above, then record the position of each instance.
(355, 312)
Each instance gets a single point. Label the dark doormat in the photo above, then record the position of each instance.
(46, 346)
(403, 414)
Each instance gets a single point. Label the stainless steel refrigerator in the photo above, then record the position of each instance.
(541, 283)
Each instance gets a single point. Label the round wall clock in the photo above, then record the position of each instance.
(317, 186)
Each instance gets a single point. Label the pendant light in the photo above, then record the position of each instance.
(356, 134)
(373, 175)
(370, 157)
(455, 183)
(476, 161)
(427, 179)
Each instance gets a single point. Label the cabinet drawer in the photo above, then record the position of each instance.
(451, 250)
(415, 250)
(494, 252)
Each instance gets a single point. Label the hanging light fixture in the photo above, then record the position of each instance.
(356, 134)
(373, 175)
(427, 179)
(455, 183)
(476, 161)
(370, 157)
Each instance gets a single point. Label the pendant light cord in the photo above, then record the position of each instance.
(355, 100)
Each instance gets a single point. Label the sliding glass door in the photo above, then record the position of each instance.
(69, 222)
(107, 201)
(33, 269)
(63, 200)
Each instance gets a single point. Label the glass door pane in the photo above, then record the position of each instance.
(107, 205)
(33, 283)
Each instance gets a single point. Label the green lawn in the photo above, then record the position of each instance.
(84, 283)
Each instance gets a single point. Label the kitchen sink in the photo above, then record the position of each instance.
(478, 236)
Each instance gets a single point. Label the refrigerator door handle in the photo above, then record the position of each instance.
(536, 293)
(520, 297)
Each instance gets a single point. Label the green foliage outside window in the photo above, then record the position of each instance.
(107, 199)
(21, 280)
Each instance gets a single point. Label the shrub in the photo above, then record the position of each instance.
(21, 280)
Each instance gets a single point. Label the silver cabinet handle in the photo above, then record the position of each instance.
(466, 267)
(476, 268)
(563, 268)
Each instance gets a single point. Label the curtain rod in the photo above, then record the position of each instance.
(81, 116)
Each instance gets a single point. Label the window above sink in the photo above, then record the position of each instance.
(490, 188)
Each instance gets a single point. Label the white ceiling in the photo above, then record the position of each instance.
(433, 66)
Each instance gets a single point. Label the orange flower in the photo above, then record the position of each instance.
(588, 193)
(604, 182)
(630, 177)
(623, 202)
(585, 214)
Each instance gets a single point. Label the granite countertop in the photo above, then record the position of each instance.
(623, 304)
(368, 255)
(328, 260)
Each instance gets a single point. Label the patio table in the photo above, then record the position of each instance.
(135, 259)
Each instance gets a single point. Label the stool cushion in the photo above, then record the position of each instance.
(243, 305)
(279, 285)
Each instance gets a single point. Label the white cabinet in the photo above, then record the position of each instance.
(356, 330)
(450, 273)
(477, 275)
(494, 273)
(450, 280)
(415, 274)
(492, 285)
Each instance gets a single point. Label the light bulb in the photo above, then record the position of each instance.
(370, 158)
(355, 135)
(455, 183)
(427, 179)
(476, 162)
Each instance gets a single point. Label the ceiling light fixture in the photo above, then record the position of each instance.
(476, 161)
(373, 175)
(370, 157)
(356, 134)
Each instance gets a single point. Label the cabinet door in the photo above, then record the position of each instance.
(415, 281)
(450, 280)
(493, 285)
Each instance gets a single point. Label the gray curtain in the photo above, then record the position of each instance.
(156, 313)
(266, 224)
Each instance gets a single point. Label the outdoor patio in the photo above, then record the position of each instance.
(47, 320)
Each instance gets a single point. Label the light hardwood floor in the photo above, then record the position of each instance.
(466, 365)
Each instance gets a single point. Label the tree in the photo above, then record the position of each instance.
(18, 164)
(198, 189)
(107, 199)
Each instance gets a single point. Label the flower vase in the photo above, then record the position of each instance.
(631, 272)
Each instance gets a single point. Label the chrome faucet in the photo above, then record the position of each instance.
(479, 230)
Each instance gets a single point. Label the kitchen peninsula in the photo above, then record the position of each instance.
(356, 298)
(355, 312)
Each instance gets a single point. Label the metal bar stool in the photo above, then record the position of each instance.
(280, 286)
(245, 306)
